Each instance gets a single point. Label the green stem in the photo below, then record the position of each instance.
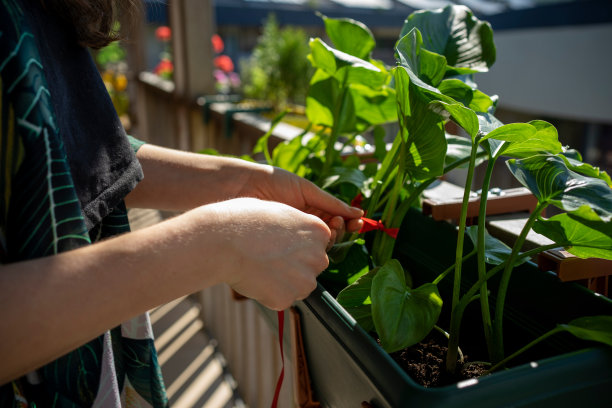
(523, 349)
(383, 245)
(482, 266)
(498, 350)
(384, 240)
(467, 298)
(383, 174)
(453, 342)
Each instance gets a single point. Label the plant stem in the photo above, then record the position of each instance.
(404, 206)
(382, 174)
(453, 342)
(383, 248)
(482, 266)
(467, 298)
(523, 349)
(498, 350)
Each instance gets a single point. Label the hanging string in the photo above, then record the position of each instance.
(279, 382)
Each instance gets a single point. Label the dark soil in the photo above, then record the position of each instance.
(425, 362)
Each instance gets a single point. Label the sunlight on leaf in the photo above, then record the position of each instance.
(581, 232)
(402, 316)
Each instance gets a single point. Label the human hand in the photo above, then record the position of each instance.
(275, 184)
(275, 252)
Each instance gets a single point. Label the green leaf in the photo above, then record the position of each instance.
(424, 68)
(591, 328)
(456, 33)
(551, 181)
(355, 298)
(424, 129)
(426, 141)
(488, 123)
(402, 316)
(344, 66)
(262, 143)
(374, 107)
(526, 139)
(342, 175)
(581, 232)
(466, 94)
(291, 155)
(586, 169)
(339, 252)
(379, 142)
(350, 36)
(496, 252)
(464, 117)
(322, 95)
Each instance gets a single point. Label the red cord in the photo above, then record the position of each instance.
(279, 382)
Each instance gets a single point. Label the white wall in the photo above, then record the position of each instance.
(565, 72)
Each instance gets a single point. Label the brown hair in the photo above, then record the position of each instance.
(94, 20)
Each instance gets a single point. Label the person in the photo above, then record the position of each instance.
(75, 284)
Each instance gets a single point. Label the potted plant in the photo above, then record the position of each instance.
(394, 289)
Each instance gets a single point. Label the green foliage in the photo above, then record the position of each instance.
(433, 84)
(403, 316)
(278, 70)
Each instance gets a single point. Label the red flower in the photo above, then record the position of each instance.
(217, 44)
(165, 66)
(224, 63)
(163, 33)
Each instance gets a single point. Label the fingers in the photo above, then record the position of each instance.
(317, 198)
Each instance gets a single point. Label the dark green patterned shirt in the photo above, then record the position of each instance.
(61, 189)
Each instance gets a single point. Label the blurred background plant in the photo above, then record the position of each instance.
(278, 70)
(113, 67)
(165, 67)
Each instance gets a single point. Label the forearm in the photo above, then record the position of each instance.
(52, 305)
(179, 181)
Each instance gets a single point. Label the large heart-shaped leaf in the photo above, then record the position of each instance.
(327, 105)
(350, 36)
(591, 328)
(581, 232)
(423, 129)
(496, 252)
(551, 181)
(526, 139)
(425, 69)
(374, 107)
(347, 68)
(456, 33)
(402, 316)
(586, 169)
(323, 95)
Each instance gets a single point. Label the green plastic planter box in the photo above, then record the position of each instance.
(348, 367)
